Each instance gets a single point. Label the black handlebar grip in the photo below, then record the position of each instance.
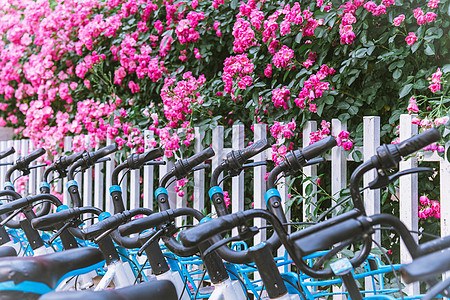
(13, 205)
(319, 147)
(200, 157)
(139, 225)
(68, 160)
(419, 141)
(55, 218)
(254, 149)
(426, 267)
(33, 155)
(136, 161)
(7, 152)
(325, 238)
(95, 155)
(193, 236)
(98, 228)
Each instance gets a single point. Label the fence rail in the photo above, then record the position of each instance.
(97, 180)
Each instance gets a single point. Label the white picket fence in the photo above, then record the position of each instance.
(97, 181)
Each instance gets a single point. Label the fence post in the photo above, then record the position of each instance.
(339, 162)
(259, 182)
(408, 196)
(98, 184)
(371, 140)
(217, 145)
(87, 183)
(237, 192)
(163, 169)
(338, 179)
(310, 171)
(67, 148)
(135, 191)
(148, 175)
(199, 176)
(109, 167)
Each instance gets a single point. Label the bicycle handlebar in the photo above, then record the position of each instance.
(7, 152)
(319, 147)
(426, 267)
(254, 149)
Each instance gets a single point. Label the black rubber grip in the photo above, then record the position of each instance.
(55, 218)
(139, 225)
(33, 155)
(13, 205)
(136, 161)
(68, 160)
(327, 237)
(319, 147)
(426, 267)
(7, 152)
(419, 141)
(254, 149)
(95, 155)
(98, 228)
(198, 158)
(193, 236)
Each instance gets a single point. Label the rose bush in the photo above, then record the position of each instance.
(113, 68)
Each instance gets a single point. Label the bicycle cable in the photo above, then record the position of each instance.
(198, 288)
(140, 272)
(392, 266)
(123, 176)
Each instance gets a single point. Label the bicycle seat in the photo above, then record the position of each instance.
(427, 266)
(7, 251)
(156, 289)
(30, 277)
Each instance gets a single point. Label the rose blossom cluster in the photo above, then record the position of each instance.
(423, 18)
(313, 88)
(280, 97)
(429, 208)
(186, 28)
(235, 70)
(435, 81)
(348, 18)
(343, 139)
(279, 130)
(178, 97)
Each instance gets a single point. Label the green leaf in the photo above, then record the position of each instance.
(405, 90)
(320, 108)
(328, 99)
(429, 49)
(415, 46)
(298, 38)
(446, 68)
(397, 73)
(308, 189)
(353, 110)
(357, 156)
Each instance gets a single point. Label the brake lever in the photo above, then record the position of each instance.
(247, 233)
(58, 233)
(155, 163)
(383, 179)
(254, 164)
(201, 167)
(103, 159)
(164, 229)
(7, 219)
(37, 166)
(315, 161)
(105, 234)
